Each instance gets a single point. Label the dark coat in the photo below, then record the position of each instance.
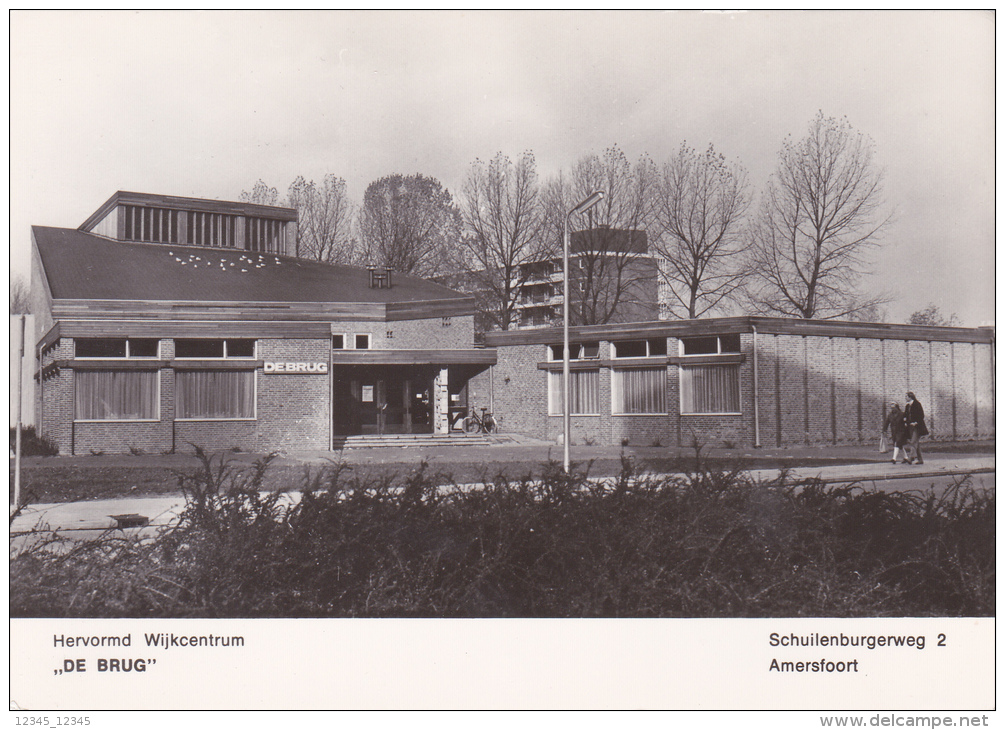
(895, 422)
(915, 414)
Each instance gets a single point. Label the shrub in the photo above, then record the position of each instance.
(703, 543)
(31, 443)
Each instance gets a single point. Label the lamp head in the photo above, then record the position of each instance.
(591, 200)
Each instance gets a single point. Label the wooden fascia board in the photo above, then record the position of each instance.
(50, 338)
(733, 325)
(618, 332)
(731, 358)
(645, 362)
(869, 330)
(216, 364)
(233, 310)
(430, 309)
(475, 356)
(262, 329)
(122, 363)
(115, 363)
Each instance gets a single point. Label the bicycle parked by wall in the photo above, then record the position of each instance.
(485, 424)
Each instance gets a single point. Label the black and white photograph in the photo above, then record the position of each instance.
(577, 360)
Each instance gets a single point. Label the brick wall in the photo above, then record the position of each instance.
(813, 390)
(520, 390)
(985, 404)
(294, 409)
(415, 334)
(54, 399)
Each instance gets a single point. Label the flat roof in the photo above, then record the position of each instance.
(730, 325)
(79, 265)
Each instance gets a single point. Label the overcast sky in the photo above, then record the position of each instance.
(205, 104)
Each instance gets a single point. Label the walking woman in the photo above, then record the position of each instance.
(914, 414)
(897, 426)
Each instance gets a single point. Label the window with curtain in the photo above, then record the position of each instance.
(710, 389)
(584, 392)
(215, 394)
(116, 395)
(639, 390)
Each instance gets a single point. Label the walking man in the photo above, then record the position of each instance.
(914, 415)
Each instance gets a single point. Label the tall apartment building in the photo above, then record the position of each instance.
(613, 277)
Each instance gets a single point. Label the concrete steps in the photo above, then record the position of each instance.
(411, 440)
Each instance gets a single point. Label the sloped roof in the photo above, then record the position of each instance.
(80, 265)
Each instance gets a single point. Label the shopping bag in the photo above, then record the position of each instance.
(883, 446)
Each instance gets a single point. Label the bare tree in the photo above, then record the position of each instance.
(503, 218)
(20, 301)
(261, 194)
(932, 315)
(607, 249)
(409, 223)
(701, 204)
(874, 311)
(325, 220)
(817, 222)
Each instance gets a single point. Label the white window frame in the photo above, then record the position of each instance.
(157, 397)
(369, 340)
(112, 357)
(253, 356)
(254, 397)
(345, 340)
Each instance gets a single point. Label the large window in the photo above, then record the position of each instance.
(639, 390)
(104, 347)
(214, 394)
(710, 389)
(577, 351)
(641, 348)
(584, 392)
(710, 345)
(206, 349)
(116, 395)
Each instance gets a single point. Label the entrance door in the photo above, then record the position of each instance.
(382, 400)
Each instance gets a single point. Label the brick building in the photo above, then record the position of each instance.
(742, 380)
(163, 321)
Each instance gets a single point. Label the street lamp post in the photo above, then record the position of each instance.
(591, 200)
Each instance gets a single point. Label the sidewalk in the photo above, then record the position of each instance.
(162, 510)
